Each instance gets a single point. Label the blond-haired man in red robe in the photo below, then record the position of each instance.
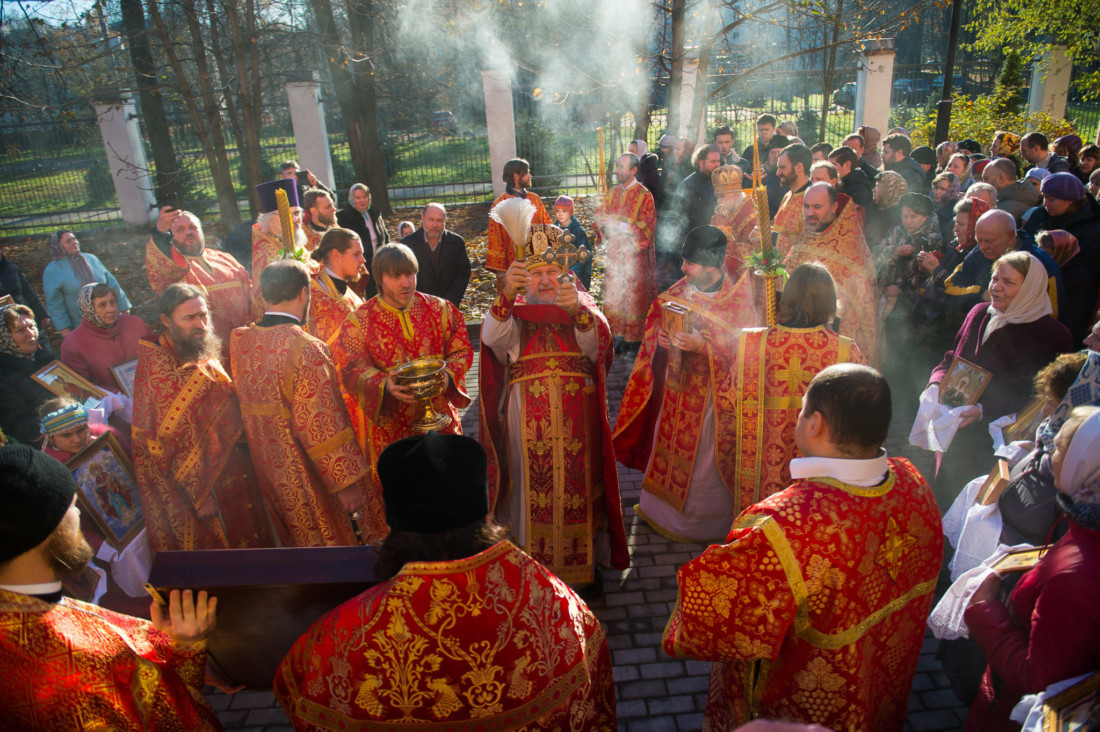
(814, 609)
(309, 466)
(69, 665)
(671, 423)
(833, 235)
(193, 472)
(547, 353)
(627, 221)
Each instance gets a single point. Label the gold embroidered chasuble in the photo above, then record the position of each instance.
(329, 309)
(188, 449)
(493, 642)
(628, 220)
(500, 250)
(549, 438)
(737, 223)
(299, 435)
(666, 396)
(843, 250)
(788, 222)
(377, 338)
(814, 610)
(75, 666)
(774, 368)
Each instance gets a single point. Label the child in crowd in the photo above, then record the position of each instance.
(563, 211)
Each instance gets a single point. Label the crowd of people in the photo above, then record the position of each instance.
(271, 407)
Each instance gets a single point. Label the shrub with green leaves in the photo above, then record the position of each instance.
(979, 118)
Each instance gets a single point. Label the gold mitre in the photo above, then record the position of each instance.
(542, 243)
(727, 179)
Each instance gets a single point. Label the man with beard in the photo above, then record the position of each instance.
(671, 424)
(501, 250)
(343, 260)
(547, 352)
(104, 338)
(626, 223)
(70, 665)
(391, 329)
(193, 472)
(692, 206)
(833, 235)
(309, 468)
(793, 169)
(322, 216)
(177, 252)
(267, 232)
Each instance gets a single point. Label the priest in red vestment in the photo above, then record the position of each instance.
(308, 464)
(671, 423)
(466, 632)
(341, 259)
(774, 366)
(267, 232)
(547, 353)
(68, 665)
(814, 610)
(392, 328)
(627, 221)
(193, 472)
(793, 169)
(833, 235)
(735, 215)
(501, 250)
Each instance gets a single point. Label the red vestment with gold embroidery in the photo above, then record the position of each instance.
(299, 434)
(187, 439)
(627, 222)
(74, 666)
(569, 478)
(843, 250)
(736, 225)
(328, 309)
(227, 285)
(377, 338)
(500, 249)
(268, 248)
(493, 642)
(662, 412)
(774, 367)
(814, 611)
(788, 222)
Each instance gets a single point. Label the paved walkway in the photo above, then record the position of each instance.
(654, 692)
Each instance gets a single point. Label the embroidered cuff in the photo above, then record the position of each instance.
(583, 320)
(502, 308)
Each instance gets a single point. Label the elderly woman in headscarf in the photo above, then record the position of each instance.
(1011, 337)
(945, 193)
(21, 354)
(104, 338)
(1005, 145)
(1079, 284)
(885, 214)
(959, 164)
(944, 151)
(649, 175)
(70, 270)
(1049, 628)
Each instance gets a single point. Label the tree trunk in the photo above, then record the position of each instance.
(245, 51)
(697, 129)
(676, 66)
(828, 71)
(168, 190)
(362, 19)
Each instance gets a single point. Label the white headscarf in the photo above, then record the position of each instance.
(1080, 477)
(642, 147)
(1031, 302)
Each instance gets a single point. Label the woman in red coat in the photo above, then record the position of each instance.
(1050, 629)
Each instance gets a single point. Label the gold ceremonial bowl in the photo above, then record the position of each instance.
(426, 379)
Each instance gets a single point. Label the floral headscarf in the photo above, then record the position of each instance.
(7, 343)
(1080, 477)
(944, 151)
(1063, 246)
(87, 309)
(1083, 392)
(80, 265)
(890, 186)
(1010, 143)
(978, 206)
(954, 190)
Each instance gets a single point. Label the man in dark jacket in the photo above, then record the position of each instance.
(853, 180)
(1035, 147)
(362, 218)
(895, 156)
(1066, 205)
(441, 256)
(1014, 196)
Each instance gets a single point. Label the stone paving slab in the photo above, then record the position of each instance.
(654, 692)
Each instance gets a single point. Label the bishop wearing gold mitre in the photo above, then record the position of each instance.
(735, 215)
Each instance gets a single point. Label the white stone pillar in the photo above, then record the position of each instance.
(500, 119)
(873, 85)
(1050, 79)
(307, 116)
(118, 123)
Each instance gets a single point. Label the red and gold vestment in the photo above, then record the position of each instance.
(774, 367)
(563, 485)
(814, 610)
(500, 250)
(227, 285)
(843, 250)
(328, 309)
(299, 434)
(268, 248)
(188, 449)
(660, 423)
(736, 225)
(74, 666)
(788, 222)
(493, 642)
(627, 222)
(377, 338)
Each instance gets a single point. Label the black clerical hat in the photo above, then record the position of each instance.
(705, 245)
(35, 493)
(266, 193)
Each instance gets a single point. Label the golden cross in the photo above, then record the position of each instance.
(895, 545)
(794, 375)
